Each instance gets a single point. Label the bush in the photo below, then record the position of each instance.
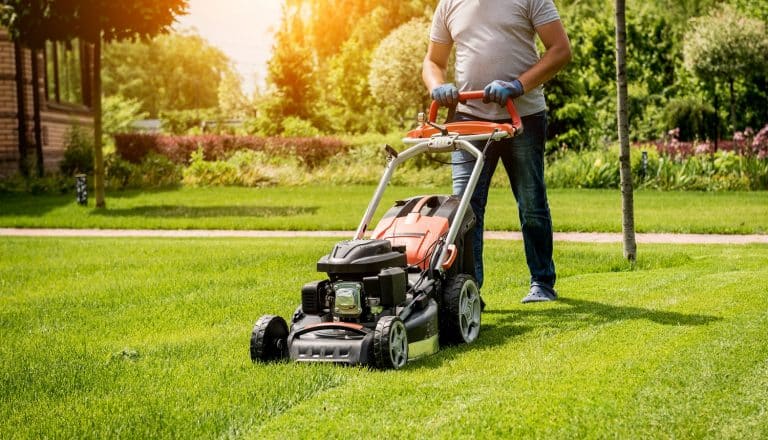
(154, 171)
(695, 119)
(78, 152)
(48, 184)
(311, 151)
(297, 127)
(119, 113)
(243, 168)
(705, 171)
(133, 147)
(179, 122)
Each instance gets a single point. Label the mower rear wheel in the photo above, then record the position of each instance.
(462, 307)
(390, 343)
(269, 339)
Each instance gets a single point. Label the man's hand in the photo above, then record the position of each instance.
(446, 95)
(500, 91)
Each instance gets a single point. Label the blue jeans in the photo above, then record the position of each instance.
(523, 159)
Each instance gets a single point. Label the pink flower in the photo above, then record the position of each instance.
(702, 148)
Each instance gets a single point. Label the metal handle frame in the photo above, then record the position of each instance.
(436, 144)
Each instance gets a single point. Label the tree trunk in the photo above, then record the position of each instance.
(627, 199)
(38, 127)
(21, 109)
(98, 155)
(717, 115)
(733, 107)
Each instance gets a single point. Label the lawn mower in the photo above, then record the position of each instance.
(406, 289)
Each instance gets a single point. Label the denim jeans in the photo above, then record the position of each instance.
(523, 159)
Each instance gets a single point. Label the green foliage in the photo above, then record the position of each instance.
(78, 152)
(321, 64)
(119, 114)
(726, 45)
(36, 22)
(395, 72)
(695, 119)
(243, 168)
(154, 171)
(290, 70)
(296, 127)
(720, 171)
(232, 101)
(192, 71)
(187, 121)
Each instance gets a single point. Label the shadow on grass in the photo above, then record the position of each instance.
(591, 312)
(182, 211)
(15, 204)
(578, 314)
(31, 204)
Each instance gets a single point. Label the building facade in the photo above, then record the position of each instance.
(43, 94)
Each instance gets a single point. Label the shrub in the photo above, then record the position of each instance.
(154, 171)
(133, 147)
(693, 118)
(243, 168)
(311, 151)
(297, 127)
(718, 171)
(78, 152)
(119, 113)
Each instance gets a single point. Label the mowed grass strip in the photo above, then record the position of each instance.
(127, 338)
(341, 208)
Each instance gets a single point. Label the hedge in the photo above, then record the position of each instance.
(312, 151)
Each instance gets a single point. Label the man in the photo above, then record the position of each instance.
(496, 52)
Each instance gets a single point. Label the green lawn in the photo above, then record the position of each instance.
(148, 338)
(341, 208)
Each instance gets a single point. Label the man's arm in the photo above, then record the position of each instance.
(556, 56)
(435, 65)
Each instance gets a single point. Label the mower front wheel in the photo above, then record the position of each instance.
(269, 339)
(390, 343)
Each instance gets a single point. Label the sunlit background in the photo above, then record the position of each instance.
(242, 29)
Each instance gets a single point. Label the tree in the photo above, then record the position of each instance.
(627, 199)
(395, 66)
(726, 46)
(33, 22)
(192, 72)
(291, 68)
(320, 64)
(232, 101)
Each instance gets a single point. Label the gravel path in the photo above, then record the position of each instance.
(587, 237)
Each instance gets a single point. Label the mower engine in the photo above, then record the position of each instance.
(365, 277)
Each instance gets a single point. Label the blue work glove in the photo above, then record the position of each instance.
(446, 95)
(500, 91)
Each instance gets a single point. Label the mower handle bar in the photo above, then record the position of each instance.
(476, 94)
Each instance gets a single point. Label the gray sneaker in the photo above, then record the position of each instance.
(540, 293)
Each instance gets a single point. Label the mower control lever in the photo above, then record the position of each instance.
(443, 129)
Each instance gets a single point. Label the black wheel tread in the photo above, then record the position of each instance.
(450, 327)
(260, 349)
(381, 346)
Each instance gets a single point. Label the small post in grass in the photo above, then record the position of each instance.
(81, 189)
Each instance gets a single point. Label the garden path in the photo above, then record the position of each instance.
(588, 237)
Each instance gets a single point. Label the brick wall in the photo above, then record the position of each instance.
(55, 119)
(9, 147)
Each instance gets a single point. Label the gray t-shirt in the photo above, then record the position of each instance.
(495, 39)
